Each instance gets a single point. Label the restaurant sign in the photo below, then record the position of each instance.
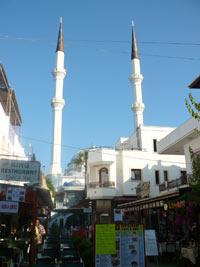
(9, 207)
(17, 170)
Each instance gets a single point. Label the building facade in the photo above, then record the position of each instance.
(10, 121)
(114, 174)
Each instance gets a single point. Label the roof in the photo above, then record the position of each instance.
(134, 52)
(60, 46)
(195, 84)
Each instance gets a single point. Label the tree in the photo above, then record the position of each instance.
(50, 185)
(81, 160)
(194, 108)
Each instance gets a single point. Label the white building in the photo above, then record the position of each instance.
(72, 187)
(10, 122)
(115, 173)
(184, 137)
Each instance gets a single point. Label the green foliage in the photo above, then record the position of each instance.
(85, 249)
(87, 257)
(81, 159)
(76, 241)
(195, 181)
(196, 106)
(50, 185)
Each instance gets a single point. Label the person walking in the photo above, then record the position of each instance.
(40, 230)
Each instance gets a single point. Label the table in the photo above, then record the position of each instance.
(190, 253)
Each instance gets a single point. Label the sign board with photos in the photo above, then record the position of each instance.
(119, 245)
(15, 193)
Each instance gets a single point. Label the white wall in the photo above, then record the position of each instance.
(9, 140)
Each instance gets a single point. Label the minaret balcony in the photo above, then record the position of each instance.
(57, 103)
(138, 107)
(136, 78)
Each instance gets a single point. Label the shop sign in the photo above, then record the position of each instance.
(9, 207)
(177, 205)
(17, 170)
(15, 193)
(118, 215)
(142, 189)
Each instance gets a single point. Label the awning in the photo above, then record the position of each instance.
(150, 202)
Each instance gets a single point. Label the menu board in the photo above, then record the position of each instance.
(129, 241)
(151, 248)
(105, 239)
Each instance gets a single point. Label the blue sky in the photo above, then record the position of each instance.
(97, 91)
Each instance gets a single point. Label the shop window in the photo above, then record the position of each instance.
(136, 174)
(154, 145)
(166, 176)
(157, 177)
(103, 176)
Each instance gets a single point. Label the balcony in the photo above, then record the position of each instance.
(101, 190)
(104, 184)
(174, 183)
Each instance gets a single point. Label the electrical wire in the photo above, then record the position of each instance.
(111, 154)
(111, 41)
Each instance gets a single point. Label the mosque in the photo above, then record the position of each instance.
(113, 175)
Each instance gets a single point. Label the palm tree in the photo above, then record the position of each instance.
(81, 160)
(50, 186)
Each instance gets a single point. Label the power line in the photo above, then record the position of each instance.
(111, 154)
(97, 41)
(111, 41)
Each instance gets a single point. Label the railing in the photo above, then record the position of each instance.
(107, 184)
(174, 183)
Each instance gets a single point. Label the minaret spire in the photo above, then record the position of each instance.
(136, 81)
(57, 104)
(134, 52)
(60, 46)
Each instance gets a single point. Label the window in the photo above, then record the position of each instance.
(154, 145)
(157, 177)
(103, 176)
(183, 174)
(166, 176)
(184, 177)
(136, 174)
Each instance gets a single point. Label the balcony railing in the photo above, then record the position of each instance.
(174, 183)
(108, 184)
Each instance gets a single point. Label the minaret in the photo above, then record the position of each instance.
(57, 104)
(136, 81)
